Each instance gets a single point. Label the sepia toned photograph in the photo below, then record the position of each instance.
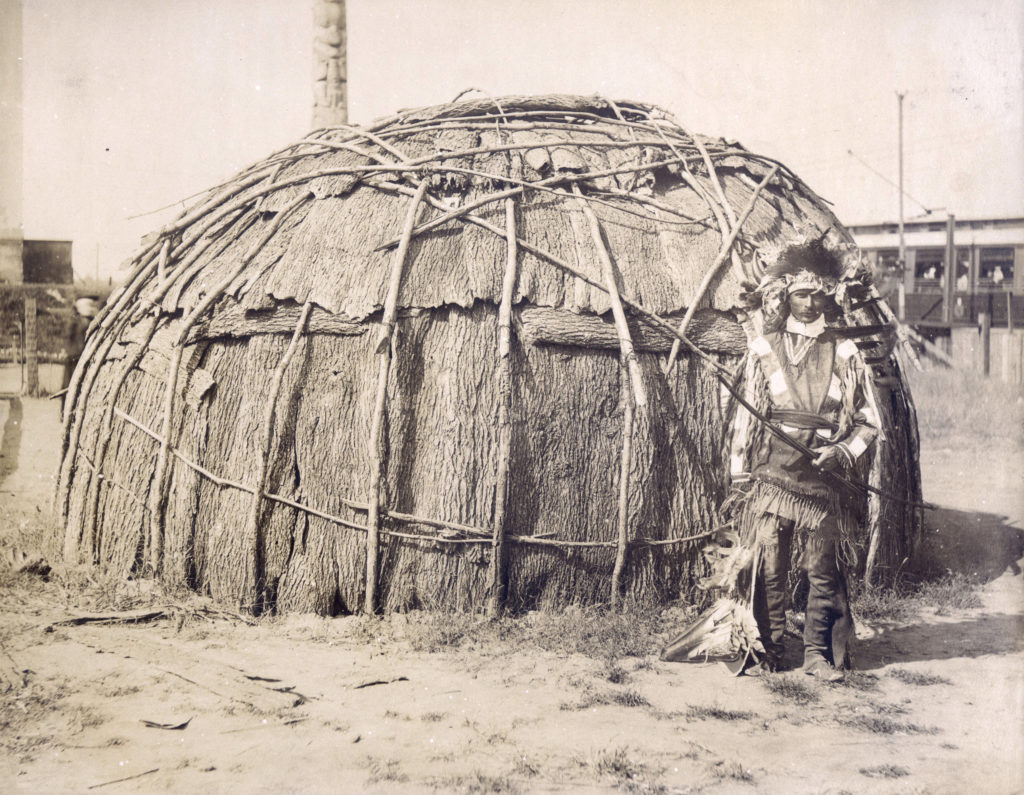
(546, 396)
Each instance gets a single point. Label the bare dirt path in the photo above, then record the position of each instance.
(410, 704)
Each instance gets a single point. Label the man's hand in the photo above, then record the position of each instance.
(829, 459)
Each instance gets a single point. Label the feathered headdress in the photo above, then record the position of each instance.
(810, 265)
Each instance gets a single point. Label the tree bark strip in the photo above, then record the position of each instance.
(158, 488)
(265, 441)
(652, 317)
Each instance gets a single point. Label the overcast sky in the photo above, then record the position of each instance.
(130, 105)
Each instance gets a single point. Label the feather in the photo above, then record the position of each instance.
(724, 632)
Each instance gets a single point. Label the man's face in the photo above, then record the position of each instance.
(806, 305)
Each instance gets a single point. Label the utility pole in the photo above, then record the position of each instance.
(901, 312)
(949, 287)
(330, 64)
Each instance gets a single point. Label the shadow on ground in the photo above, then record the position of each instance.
(979, 545)
(976, 636)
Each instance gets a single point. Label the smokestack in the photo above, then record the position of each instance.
(11, 140)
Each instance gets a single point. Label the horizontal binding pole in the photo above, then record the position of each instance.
(710, 329)
(483, 536)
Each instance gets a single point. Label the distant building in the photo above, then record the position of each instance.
(11, 266)
(47, 262)
(989, 272)
(35, 262)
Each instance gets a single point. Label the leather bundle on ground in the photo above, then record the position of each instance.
(426, 363)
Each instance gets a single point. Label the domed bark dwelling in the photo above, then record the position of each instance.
(440, 362)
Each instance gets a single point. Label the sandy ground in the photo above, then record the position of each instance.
(305, 704)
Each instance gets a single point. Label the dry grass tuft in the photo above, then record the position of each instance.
(857, 680)
(614, 672)
(476, 782)
(917, 678)
(791, 688)
(630, 773)
(717, 713)
(384, 770)
(884, 604)
(954, 591)
(593, 632)
(731, 771)
(24, 730)
(981, 408)
(903, 602)
(879, 724)
(594, 698)
(884, 771)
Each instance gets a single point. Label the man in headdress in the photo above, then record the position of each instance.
(811, 383)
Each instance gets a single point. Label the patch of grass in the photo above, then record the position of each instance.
(953, 591)
(92, 589)
(879, 724)
(630, 773)
(382, 770)
(903, 602)
(82, 717)
(717, 713)
(525, 768)
(791, 688)
(918, 679)
(476, 782)
(884, 771)
(857, 680)
(614, 672)
(118, 690)
(434, 632)
(884, 604)
(621, 698)
(882, 708)
(731, 771)
(23, 728)
(595, 632)
(432, 717)
(491, 738)
(994, 411)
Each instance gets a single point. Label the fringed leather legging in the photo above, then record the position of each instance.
(828, 624)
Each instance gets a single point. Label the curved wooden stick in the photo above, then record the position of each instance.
(100, 456)
(712, 272)
(653, 318)
(158, 487)
(266, 437)
(481, 536)
(376, 426)
(499, 585)
(631, 367)
(611, 287)
(625, 462)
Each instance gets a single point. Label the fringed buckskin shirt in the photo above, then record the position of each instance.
(812, 385)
